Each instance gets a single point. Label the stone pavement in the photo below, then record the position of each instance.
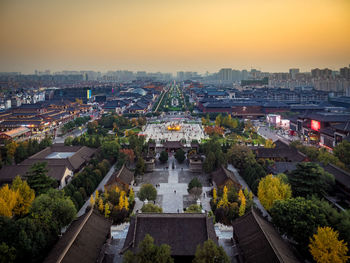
(172, 189)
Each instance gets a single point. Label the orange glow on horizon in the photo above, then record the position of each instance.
(158, 35)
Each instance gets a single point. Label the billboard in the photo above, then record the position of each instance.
(315, 125)
(88, 94)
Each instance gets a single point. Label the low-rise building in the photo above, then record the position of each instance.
(123, 179)
(183, 232)
(258, 242)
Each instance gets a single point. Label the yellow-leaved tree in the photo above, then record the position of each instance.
(242, 198)
(8, 201)
(325, 247)
(224, 201)
(271, 189)
(126, 203)
(107, 211)
(131, 196)
(215, 195)
(121, 200)
(25, 198)
(96, 194)
(100, 205)
(269, 144)
(92, 201)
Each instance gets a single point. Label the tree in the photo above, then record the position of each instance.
(126, 203)
(92, 201)
(325, 247)
(121, 204)
(151, 208)
(38, 180)
(11, 150)
(131, 196)
(271, 189)
(210, 252)
(129, 153)
(342, 151)
(224, 200)
(195, 187)
(54, 207)
(100, 205)
(218, 120)
(107, 211)
(140, 166)
(269, 144)
(110, 150)
(243, 203)
(8, 201)
(68, 141)
(26, 196)
(21, 152)
(147, 191)
(309, 179)
(298, 218)
(180, 155)
(193, 209)
(148, 252)
(215, 196)
(163, 157)
(7, 254)
(209, 162)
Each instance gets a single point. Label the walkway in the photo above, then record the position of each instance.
(245, 185)
(100, 188)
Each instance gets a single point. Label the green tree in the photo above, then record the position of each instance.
(147, 191)
(180, 155)
(298, 218)
(163, 157)
(151, 208)
(140, 166)
(193, 209)
(110, 150)
(21, 152)
(309, 179)
(68, 141)
(148, 252)
(54, 208)
(7, 254)
(342, 151)
(209, 162)
(210, 253)
(38, 180)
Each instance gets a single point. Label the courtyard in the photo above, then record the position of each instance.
(174, 131)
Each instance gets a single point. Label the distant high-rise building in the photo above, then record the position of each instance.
(321, 73)
(345, 72)
(225, 74)
(244, 74)
(293, 72)
(180, 75)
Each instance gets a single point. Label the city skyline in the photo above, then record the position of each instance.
(176, 36)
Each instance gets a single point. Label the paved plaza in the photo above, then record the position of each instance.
(187, 131)
(172, 190)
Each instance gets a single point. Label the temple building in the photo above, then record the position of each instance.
(182, 232)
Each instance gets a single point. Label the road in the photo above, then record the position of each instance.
(100, 188)
(75, 133)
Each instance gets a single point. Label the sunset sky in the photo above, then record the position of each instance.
(172, 35)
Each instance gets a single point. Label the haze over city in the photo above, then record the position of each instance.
(169, 36)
